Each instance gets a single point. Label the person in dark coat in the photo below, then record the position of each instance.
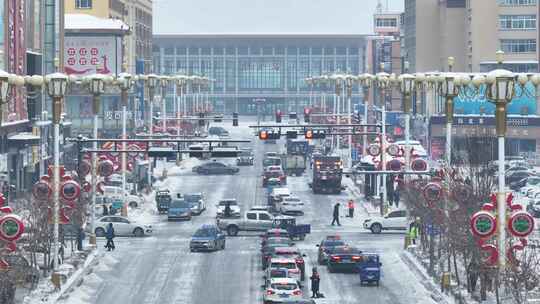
(227, 212)
(315, 282)
(109, 235)
(105, 210)
(335, 215)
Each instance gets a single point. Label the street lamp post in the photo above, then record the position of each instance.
(382, 81)
(365, 81)
(152, 82)
(180, 83)
(125, 84)
(56, 88)
(164, 82)
(96, 86)
(406, 87)
(350, 80)
(500, 89)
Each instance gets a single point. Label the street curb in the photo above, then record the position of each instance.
(76, 278)
(425, 280)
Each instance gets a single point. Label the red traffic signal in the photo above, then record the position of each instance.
(315, 134)
(263, 135)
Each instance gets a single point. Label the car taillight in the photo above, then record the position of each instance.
(294, 270)
(299, 261)
(356, 258)
(269, 292)
(297, 292)
(335, 258)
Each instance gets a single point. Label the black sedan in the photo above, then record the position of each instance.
(326, 246)
(215, 168)
(344, 259)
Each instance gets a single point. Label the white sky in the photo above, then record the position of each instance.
(267, 16)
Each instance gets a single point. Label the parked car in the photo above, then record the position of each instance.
(515, 176)
(233, 204)
(274, 232)
(179, 209)
(206, 238)
(395, 220)
(326, 246)
(215, 167)
(122, 226)
(526, 183)
(216, 130)
(288, 263)
(281, 289)
(291, 205)
(344, 259)
(196, 201)
(534, 208)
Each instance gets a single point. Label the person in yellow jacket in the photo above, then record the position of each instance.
(413, 230)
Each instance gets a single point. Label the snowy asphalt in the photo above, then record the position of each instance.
(161, 269)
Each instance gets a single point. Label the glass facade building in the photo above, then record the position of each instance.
(247, 67)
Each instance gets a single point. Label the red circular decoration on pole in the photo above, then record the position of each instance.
(42, 190)
(99, 187)
(70, 190)
(521, 224)
(86, 187)
(393, 150)
(84, 168)
(432, 192)
(11, 227)
(374, 150)
(394, 165)
(2, 199)
(483, 224)
(419, 165)
(105, 168)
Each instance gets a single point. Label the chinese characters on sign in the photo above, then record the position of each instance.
(86, 55)
(117, 115)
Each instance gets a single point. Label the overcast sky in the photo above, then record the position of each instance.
(267, 16)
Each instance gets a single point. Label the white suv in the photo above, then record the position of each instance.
(282, 289)
(291, 205)
(395, 220)
(293, 270)
(133, 201)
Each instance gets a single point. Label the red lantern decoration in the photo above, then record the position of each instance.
(70, 190)
(419, 165)
(42, 191)
(105, 168)
(84, 168)
(394, 165)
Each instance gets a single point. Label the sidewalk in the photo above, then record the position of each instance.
(354, 190)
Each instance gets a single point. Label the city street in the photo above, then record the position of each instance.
(161, 269)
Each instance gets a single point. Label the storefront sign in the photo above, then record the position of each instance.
(117, 115)
(85, 55)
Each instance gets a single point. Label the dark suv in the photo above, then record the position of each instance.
(207, 238)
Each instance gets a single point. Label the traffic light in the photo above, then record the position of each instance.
(264, 135)
(201, 120)
(278, 116)
(307, 111)
(235, 119)
(315, 134)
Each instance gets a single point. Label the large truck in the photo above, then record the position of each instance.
(295, 161)
(327, 173)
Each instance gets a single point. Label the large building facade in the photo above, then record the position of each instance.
(250, 67)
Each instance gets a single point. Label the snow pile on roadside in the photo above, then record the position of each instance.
(147, 212)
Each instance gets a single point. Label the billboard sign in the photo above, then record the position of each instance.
(85, 55)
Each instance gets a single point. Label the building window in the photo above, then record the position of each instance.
(517, 2)
(83, 3)
(518, 45)
(386, 22)
(517, 22)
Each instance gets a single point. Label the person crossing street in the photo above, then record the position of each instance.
(335, 215)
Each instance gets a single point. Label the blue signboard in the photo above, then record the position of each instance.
(472, 105)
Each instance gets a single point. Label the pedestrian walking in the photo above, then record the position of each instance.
(413, 230)
(105, 210)
(350, 206)
(315, 282)
(109, 235)
(335, 215)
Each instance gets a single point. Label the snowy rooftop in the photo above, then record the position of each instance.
(84, 22)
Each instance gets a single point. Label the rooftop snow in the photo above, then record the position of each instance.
(89, 22)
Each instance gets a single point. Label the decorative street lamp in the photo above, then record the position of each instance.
(164, 82)
(56, 88)
(406, 88)
(500, 89)
(152, 81)
(125, 83)
(96, 86)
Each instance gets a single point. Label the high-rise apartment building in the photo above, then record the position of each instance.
(471, 31)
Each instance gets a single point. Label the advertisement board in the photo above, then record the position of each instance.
(85, 55)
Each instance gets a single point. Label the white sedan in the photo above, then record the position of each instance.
(291, 205)
(282, 289)
(122, 226)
